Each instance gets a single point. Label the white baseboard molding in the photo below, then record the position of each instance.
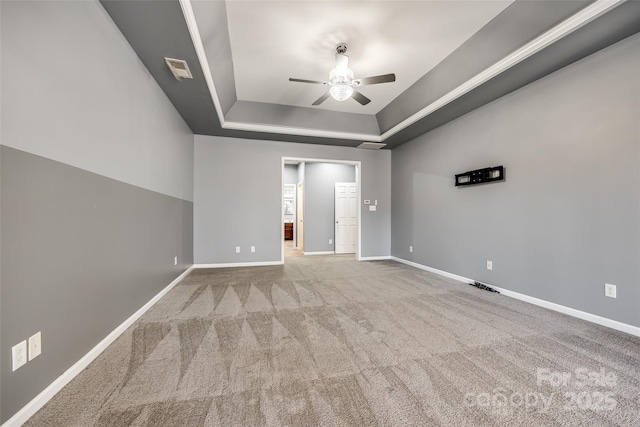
(593, 318)
(320, 253)
(238, 264)
(41, 399)
(375, 258)
(434, 270)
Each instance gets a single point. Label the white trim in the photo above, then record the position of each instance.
(238, 264)
(561, 30)
(593, 318)
(282, 211)
(294, 160)
(192, 25)
(434, 270)
(41, 399)
(320, 253)
(375, 258)
(290, 130)
(568, 26)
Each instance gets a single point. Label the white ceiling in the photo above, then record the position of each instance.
(274, 40)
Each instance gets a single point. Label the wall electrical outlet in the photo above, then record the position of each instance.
(19, 355)
(237, 249)
(609, 290)
(489, 265)
(253, 248)
(331, 241)
(410, 248)
(35, 346)
(175, 260)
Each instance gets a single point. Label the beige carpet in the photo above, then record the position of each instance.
(329, 341)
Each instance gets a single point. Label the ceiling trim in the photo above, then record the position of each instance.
(583, 17)
(571, 24)
(289, 130)
(192, 25)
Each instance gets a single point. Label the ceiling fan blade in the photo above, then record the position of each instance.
(360, 98)
(315, 82)
(341, 60)
(384, 78)
(321, 99)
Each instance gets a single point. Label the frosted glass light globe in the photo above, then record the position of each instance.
(340, 92)
(341, 81)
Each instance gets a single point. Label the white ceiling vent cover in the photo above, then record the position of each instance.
(372, 145)
(179, 68)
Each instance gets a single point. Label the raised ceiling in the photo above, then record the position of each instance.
(406, 38)
(450, 56)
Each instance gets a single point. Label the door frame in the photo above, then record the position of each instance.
(299, 217)
(293, 160)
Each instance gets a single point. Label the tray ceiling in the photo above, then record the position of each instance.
(449, 56)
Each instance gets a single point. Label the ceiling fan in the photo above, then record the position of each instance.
(341, 82)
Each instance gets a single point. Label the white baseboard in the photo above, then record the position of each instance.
(320, 253)
(238, 264)
(593, 318)
(434, 270)
(375, 258)
(41, 399)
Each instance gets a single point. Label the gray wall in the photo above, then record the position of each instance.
(237, 197)
(96, 187)
(319, 203)
(305, 117)
(567, 218)
(291, 174)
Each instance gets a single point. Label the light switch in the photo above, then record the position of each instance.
(35, 346)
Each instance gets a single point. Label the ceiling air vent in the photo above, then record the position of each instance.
(372, 145)
(179, 68)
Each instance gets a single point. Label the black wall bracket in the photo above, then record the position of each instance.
(480, 176)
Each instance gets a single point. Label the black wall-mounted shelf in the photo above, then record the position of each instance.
(480, 176)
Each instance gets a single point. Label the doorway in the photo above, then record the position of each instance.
(324, 241)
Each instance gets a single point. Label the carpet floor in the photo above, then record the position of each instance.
(328, 341)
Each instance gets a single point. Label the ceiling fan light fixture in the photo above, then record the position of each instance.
(341, 91)
(341, 81)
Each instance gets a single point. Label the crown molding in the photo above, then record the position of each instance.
(568, 26)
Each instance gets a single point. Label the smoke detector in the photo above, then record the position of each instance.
(179, 68)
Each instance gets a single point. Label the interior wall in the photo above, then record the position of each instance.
(566, 220)
(291, 174)
(319, 203)
(238, 191)
(96, 187)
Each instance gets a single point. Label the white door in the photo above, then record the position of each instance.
(346, 207)
(300, 215)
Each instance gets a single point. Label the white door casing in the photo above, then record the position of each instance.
(346, 217)
(300, 216)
